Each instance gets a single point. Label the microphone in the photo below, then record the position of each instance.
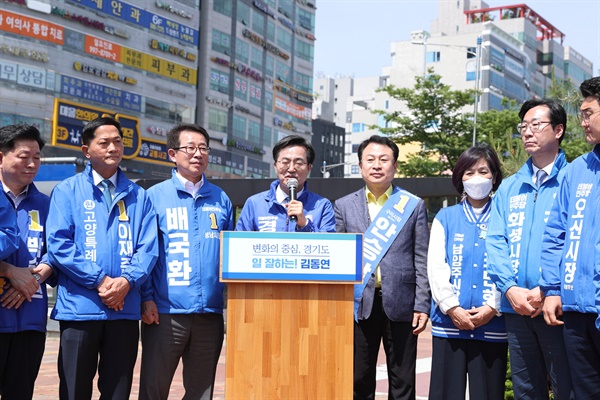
(293, 187)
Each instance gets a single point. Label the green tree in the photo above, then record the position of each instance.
(574, 143)
(435, 119)
(499, 129)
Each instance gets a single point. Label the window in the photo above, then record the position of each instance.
(267, 132)
(270, 31)
(241, 51)
(256, 57)
(283, 73)
(258, 22)
(254, 132)
(286, 7)
(243, 13)
(305, 19)
(433, 56)
(304, 50)
(221, 42)
(217, 120)
(255, 95)
(355, 148)
(303, 82)
(354, 169)
(471, 52)
(223, 7)
(284, 39)
(241, 89)
(269, 101)
(219, 81)
(239, 126)
(358, 127)
(269, 65)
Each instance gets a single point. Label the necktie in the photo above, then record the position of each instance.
(540, 176)
(106, 184)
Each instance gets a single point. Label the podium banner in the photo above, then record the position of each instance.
(291, 256)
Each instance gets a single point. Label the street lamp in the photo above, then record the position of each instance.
(477, 55)
(325, 168)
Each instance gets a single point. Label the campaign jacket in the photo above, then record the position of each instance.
(263, 213)
(185, 278)
(9, 235)
(31, 220)
(462, 280)
(87, 242)
(519, 215)
(572, 238)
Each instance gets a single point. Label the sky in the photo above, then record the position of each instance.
(354, 36)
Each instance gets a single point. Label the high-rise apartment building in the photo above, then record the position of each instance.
(241, 68)
(519, 53)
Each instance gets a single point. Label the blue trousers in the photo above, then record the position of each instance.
(582, 341)
(537, 354)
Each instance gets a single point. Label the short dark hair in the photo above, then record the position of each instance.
(294, 140)
(383, 140)
(591, 87)
(558, 115)
(469, 158)
(175, 132)
(10, 134)
(89, 130)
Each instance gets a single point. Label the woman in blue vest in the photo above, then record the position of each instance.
(468, 334)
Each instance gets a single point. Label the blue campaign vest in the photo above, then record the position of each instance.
(380, 235)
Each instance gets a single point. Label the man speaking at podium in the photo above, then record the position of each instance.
(392, 303)
(288, 206)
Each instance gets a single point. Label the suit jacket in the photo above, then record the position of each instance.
(404, 284)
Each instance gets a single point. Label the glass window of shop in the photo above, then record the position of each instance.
(241, 51)
(258, 22)
(239, 127)
(219, 81)
(256, 57)
(284, 39)
(217, 120)
(240, 89)
(243, 13)
(221, 41)
(223, 7)
(304, 50)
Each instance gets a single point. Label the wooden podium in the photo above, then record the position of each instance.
(290, 324)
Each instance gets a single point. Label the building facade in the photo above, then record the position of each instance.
(519, 53)
(241, 68)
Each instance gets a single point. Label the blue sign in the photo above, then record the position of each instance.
(143, 18)
(100, 94)
(291, 256)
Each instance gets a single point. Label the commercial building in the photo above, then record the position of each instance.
(520, 52)
(241, 68)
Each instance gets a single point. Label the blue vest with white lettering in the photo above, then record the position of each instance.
(466, 256)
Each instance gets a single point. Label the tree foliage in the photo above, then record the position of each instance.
(435, 119)
(498, 128)
(574, 143)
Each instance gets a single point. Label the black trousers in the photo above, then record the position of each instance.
(107, 346)
(20, 359)
(453, 359)
(400, 347)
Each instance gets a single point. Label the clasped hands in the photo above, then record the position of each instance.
(112, 292)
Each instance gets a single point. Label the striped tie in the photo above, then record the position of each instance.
(106, 184)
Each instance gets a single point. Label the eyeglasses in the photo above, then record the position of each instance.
(585, 116)
(285, 163)
(191, 150)
(534, 127)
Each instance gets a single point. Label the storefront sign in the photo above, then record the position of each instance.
(22, 52)
(71, 117)
(167, 48)
(33, 28)
(101, 72)
(261, 42)
(98, 93)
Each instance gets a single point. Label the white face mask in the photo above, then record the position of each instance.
(478, 187)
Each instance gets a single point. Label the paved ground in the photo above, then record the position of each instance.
(47, 382)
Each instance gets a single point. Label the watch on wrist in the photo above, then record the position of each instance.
(37, 277)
